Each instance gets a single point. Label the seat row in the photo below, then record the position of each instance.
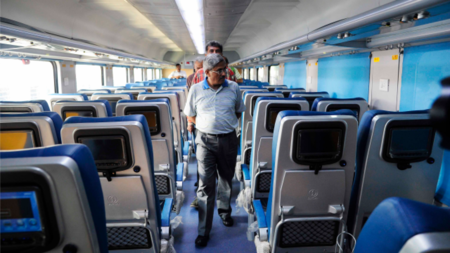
(136, 181)
(315, 174)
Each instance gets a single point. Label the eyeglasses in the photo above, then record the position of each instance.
(220, 71)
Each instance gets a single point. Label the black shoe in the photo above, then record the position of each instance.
(194, 203)
(227, 221)
(201, 241)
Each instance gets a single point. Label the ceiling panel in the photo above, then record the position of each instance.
(221, 18)
(165, 15)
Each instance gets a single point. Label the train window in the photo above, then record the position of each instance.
(252, 74)
(260, 74)
(137, 74)
(149, 74)
(88, 76)
(158, 74)
(18, 81)
(120, 76)
(273, 74)
(246, 74)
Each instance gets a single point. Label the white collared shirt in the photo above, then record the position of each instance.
(176, 74)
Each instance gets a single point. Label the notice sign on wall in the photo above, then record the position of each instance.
(384, 84)
(188, 63)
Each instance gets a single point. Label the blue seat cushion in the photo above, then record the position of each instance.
(395, 220)
(276, 134)
(104, 102)
(71, 94)
(86, 165)
(141, 119)
(43, 103)
(317, 100)
(186, 146)
(55, 118)
(361, 145)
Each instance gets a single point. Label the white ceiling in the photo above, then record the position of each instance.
(153, 27)
(112, 23)
(164, 14)
(266, 23)
(221, 18)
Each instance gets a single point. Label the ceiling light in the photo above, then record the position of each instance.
(192, 13)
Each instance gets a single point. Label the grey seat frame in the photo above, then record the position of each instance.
(71, 206)
(128, 194)
(289, 197)
(380, 179)
(247, 119)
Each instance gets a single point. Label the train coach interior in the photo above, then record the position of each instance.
(343, 144)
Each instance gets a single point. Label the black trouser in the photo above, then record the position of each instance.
(216, 156)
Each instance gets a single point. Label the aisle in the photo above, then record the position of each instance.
(222, 239)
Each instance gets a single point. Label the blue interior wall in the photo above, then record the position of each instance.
(345, 76)
(423, 68)
(295, 74)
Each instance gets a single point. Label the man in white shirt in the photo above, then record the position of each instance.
(177, 74)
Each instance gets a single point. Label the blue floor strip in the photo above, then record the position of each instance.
(222, 239)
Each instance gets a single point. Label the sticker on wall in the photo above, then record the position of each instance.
(317, 63)
(384, 84)
(395, 57)
(309, 65)
(64, 65)
(71, 66)
(376, 59)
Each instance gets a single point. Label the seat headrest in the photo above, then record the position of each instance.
(86, 165)
(280, 99)
(71, 94)
(113, 94)
(56, 119)
(396, 220)
(249, 92)
(106, 90)
(43, 103)
(317, 100)
(164, 100)
(309, 93)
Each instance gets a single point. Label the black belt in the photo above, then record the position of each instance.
(219, 135)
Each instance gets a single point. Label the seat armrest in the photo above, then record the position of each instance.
(165, 214)
(165, 218)
(261, 218)
(180, 171)
(246, 174)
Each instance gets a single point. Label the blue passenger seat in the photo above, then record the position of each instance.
(123, 152)
(398, 155)
(403, 225)
(61, 185)
(313, 159)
